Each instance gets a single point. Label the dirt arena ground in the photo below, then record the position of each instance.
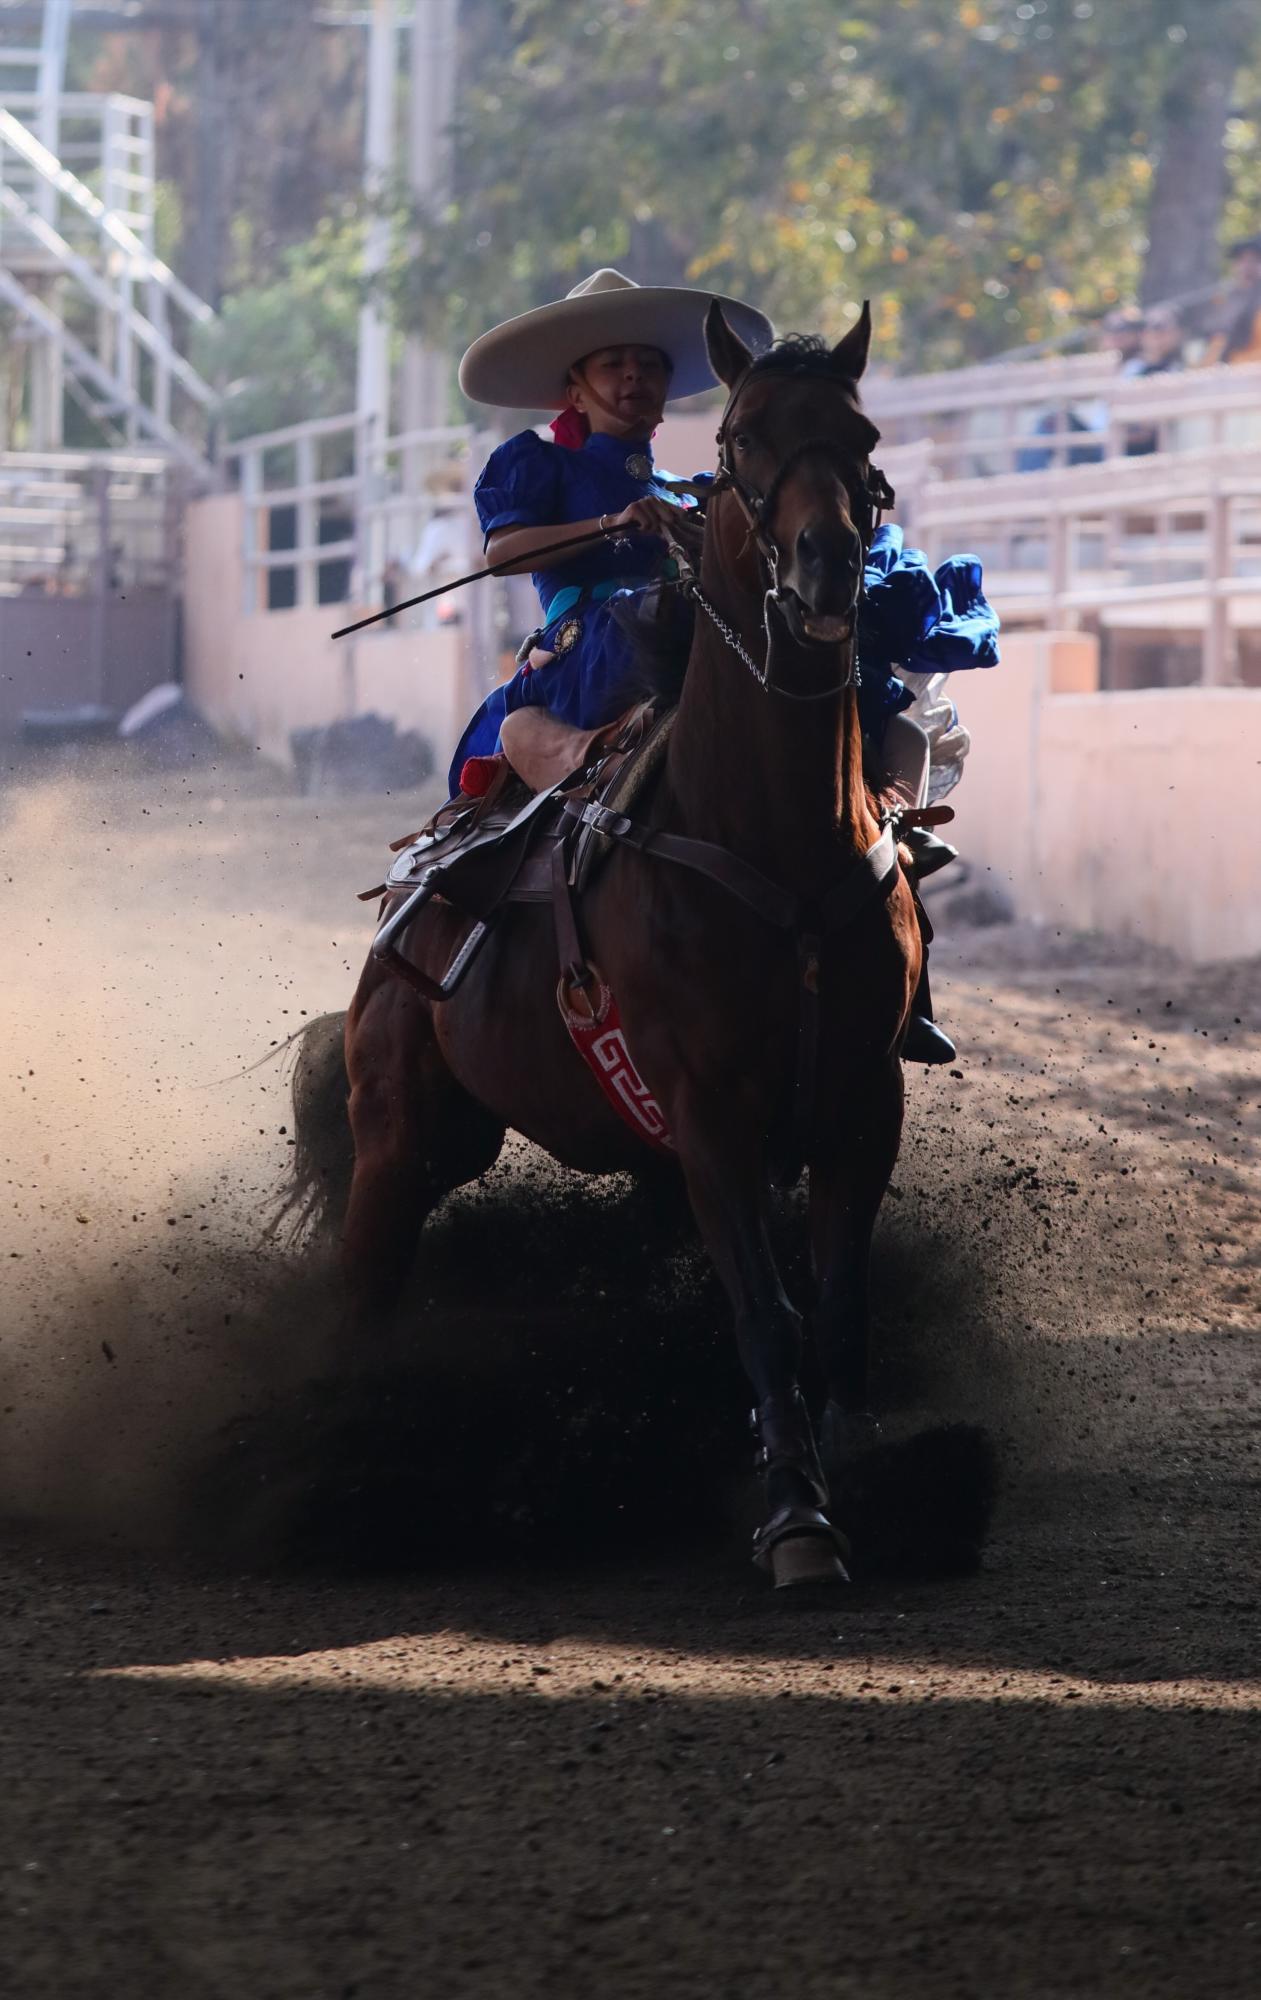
(274, 1727)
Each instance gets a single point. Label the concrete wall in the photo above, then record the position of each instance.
(686, 441)
(71, 652)
(258, 677)
(1113, 812)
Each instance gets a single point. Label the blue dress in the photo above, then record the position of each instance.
(594, 677)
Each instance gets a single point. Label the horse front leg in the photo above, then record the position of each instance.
(846, 1190)
(728, 1191)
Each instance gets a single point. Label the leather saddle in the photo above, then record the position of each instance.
(514, 846)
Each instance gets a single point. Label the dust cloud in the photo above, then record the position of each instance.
(161, 934)
(168, 1370)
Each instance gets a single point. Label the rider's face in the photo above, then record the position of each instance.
(632, 381)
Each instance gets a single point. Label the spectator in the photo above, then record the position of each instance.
(1123, 336)
(1161, 351)
(392, 581)
(448, 545)
(1161, 347)
(1237, 330)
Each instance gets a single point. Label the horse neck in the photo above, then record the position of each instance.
(779, 782)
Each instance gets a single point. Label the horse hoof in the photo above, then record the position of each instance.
(806, 1559)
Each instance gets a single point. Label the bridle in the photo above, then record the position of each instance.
(869, 494)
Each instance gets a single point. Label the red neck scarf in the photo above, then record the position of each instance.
(570, 428)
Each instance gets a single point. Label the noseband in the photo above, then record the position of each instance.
(869, 493)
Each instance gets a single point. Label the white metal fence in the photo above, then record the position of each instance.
(76, 523)
(1033, 416)
(1093, 498)
(332, 516)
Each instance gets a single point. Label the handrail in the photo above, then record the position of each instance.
(895, 399)
(292, 433)
(51, 171)
(83, 459)
(87, 364)
(1158, 478)
(142, 328)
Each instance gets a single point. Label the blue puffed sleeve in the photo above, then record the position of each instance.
(519, 485)
(932, 621)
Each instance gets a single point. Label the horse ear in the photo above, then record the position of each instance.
(728, 355)
(849, 356)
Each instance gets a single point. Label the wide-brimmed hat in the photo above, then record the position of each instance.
(524, 364)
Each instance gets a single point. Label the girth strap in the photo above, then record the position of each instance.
(875, 870)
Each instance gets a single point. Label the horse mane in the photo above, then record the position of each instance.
(811, 356)
(798, 354)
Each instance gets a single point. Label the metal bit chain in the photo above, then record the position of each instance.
(687, 579)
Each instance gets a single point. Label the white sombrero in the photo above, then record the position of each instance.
(523, 364)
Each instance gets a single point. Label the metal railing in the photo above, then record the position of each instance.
(329, 512)
(1172, 540)
(1037, 415)
(123, 359)
(1093, 498)
(75, 523)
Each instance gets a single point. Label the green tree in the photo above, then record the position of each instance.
(285, 351)
(259, 121)
(985, 171)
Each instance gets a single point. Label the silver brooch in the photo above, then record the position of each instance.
(639, 466)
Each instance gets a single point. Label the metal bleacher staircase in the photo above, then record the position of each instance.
(98, 313)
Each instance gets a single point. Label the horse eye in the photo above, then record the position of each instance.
(742, 441)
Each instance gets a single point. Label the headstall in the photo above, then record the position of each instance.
(869, 494)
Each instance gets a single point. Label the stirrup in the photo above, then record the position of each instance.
(926, 1043)
(928, 851)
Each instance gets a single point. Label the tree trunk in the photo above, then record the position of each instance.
(1190, 183)
(213, 143)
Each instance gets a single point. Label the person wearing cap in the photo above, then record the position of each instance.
(1123, 336)
(1237, 335)
(607, 359)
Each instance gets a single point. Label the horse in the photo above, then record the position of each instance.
(769, 1047)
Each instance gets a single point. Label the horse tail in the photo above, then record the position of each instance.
(314, 1193)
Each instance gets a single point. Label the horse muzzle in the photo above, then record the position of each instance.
(819, 585)
(811, 627)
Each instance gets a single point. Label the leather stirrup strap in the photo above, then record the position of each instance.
(573, 961)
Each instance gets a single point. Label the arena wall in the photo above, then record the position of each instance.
(258, 676)
(1113, 812)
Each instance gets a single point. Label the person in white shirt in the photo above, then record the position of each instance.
(450, 541)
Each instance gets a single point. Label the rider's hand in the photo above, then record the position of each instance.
(651, 516)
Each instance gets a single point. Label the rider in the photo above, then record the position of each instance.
(608, 357)
(637, 347)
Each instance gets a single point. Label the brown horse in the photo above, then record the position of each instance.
(767, 765)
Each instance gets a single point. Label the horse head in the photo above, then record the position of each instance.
(794, 457)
